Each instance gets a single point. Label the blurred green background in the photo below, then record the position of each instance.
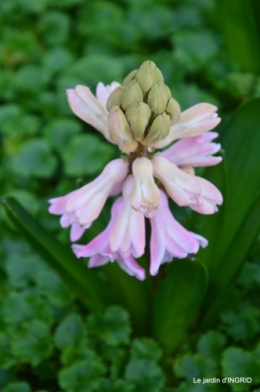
(208, 51)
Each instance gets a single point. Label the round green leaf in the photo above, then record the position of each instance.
(32, 343)
(86, 155)
(60, 132)
(18, 387)
(35, 159)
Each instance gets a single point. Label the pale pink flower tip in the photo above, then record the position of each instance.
(89, 108)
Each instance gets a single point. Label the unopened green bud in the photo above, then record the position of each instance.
(120, 131)
(138, 116)
(114, 98)
(173, 110)
(132, 93)
(129, 77)
(147, 75)
(158, 97)
(159, 130)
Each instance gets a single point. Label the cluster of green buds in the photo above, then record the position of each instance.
(142, 110)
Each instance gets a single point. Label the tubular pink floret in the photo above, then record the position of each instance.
(145, 195)
(82, 206)
(194, 121)
(196, 151)
(186, 189)
(169, 239)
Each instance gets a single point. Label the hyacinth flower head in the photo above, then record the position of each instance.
(141, 117)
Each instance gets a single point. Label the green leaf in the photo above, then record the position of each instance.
(81, 376)
(238, 21)
(27, 199)
(52, 286)
(232, 231)
(177, 301)
(70, 332)
(211, 345)
(97, 67)
(29, 78)
(240, 142)
(60, 131)
(195, 366)
(54, 26)
(249, 278)
(145, 349)
(187, 386)
(190, 94)
(35, 159)
(66, 3)
(73, 354)
(9, 111)
(21, 307)
(113, 327)
(145, 375)
(116, 357)
(86, 155)
(105, 385)
(123, 386)
(22, 269)
(83, 282)
(236, 362)
(18, 387)
(242, 323)
(32, 343)
(7, 359)
(57, 59)
(236, 254)
(194, 49)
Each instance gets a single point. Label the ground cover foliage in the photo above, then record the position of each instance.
(48, 341)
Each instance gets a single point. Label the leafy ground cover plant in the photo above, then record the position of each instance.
(47, 342)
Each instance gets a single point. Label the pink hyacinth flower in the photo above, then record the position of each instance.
(195, 151)
(121, 241)
(169, 238)
(194, 121)
(92, 109)
(82, 206)
(186, 189)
